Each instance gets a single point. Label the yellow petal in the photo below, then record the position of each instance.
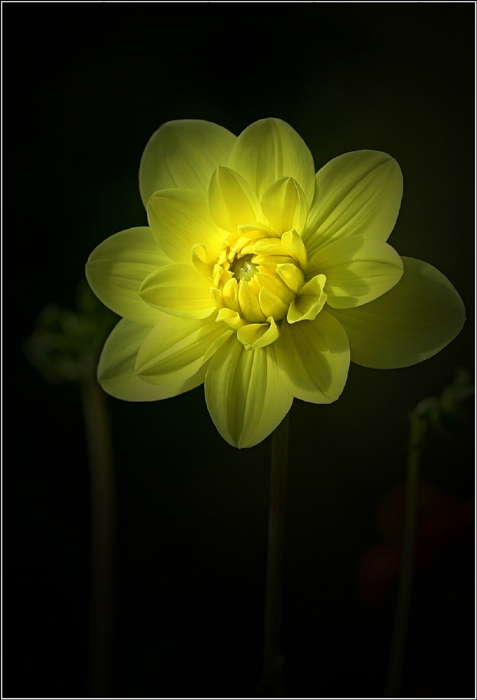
(410, 323)
(231, 319)
(178, 290)
(294, 246)
(269, 150)
(271, 304)
(183, 154)
(217, 297)
(292, 276)
(217, 275)
(203, 260)
(356, 193)
(309, 302)
(358, 269)
(249, 305)
(118, 266)
(273, 282)
(258, 335)
(269, 246)
(179, 219)
(232, 201)
(176, 348)
(314, 356)
(271, 262)
(245, 393)
(116, 373)
(284, 205)
(230, 294)
(254, 231)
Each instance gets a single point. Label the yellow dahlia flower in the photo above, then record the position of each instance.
(261, 279)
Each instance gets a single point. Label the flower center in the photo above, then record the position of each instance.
(258, 282)
(244, 268)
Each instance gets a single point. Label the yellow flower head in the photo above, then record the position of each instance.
(261, 279)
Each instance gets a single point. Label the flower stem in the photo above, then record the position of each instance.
(403, 605)
(98, 434)
(272, 658)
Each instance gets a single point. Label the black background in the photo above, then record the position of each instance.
(85, 86)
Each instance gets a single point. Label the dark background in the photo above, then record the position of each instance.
(85, 86)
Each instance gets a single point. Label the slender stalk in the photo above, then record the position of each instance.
(98, 433)
(403, 605)
(272, 657)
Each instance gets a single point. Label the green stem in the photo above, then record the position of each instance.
(403, 605)
(272, 657)
(98, 434)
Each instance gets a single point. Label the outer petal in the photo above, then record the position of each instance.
(178, 290)
(232, 202)
(314, 356)
(409, 324)
(176, 349)
(116, 372)
(270, 149)
(180, 219)
(358, 269)
(245, 393)
(356, 193)
(116, 269)
(183, 154)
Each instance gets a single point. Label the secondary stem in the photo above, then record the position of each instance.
(98, 433)
(403, 605)
(272, 657)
